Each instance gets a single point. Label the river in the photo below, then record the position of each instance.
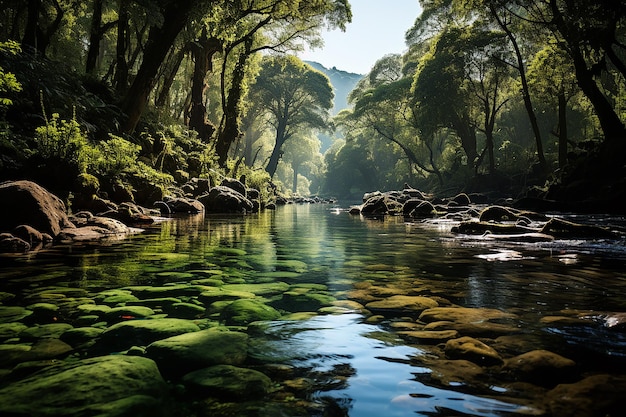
(557, 295)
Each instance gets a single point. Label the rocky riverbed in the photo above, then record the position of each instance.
(192, 344)
(200, 338)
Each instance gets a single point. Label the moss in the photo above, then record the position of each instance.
(245, 311)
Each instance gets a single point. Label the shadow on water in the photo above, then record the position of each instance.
(348, 363)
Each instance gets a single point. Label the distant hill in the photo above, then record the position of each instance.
(343, 82)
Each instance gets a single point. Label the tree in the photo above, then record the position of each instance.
(300, 152)
(161, 37)
(552, 74)
(440, 99)
(296, 97)
(278, 26)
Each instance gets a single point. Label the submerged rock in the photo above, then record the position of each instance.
(227, 381)
(540, 367)
(187, 352)
(143, 332)
(472, 350)
(245, 311)
(597, 395)
(104, 386)
(400, 304)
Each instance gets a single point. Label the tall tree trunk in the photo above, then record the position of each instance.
(168, 80)
(562, 129)
(277, 152)
(202, 50)
(295, 167)
(95, 36)
(230, 130)
(532, 117)
(612, 127)
(467, 134)
(121, 66)
(160, 40)
(32, 24)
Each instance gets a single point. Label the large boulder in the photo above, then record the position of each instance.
(223, 199)
(184, 205)
(240, 384)
(26, 203)
(234, 184)
(188, 352)
(143, 332)
(104, 386)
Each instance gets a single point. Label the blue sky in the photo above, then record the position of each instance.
(377, 29)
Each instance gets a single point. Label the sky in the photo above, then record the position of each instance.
(377, 29)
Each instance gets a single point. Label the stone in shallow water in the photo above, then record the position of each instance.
(228, 381)
(464, 314)
(429, 336)
(597, 395)
(541, 367)
(115, 297)
(80, 336)
(185, 310)
(104, 386)
(472, 350)
(10, 314)
(243, 312)
(52, 330)
(184, 353)
(303, 300)
(10, 330)
(477, 329)
(402, 304)
(143, 332)
(127, 313)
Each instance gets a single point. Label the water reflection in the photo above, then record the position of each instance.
(360, 368)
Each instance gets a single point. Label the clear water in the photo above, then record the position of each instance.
(364, 369)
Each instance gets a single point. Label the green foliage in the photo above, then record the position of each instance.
(118, 159)
(114, 157)
(8, 81)
(62, 140)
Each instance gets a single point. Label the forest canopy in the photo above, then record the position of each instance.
(510, 97)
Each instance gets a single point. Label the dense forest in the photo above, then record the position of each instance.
(135, 98)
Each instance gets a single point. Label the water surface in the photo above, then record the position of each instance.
(363, 367)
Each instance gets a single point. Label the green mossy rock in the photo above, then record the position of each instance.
(218, 294)
(52, 330)
(10, 354)
(127, 313)
(143, 332)
(541, 367)
(80, 336)
(244, 311)
(597, 395)
(185, 310)
(156, 303)
(188, 352)
(303, 300)
(9, 314)
(263, 290)
(115, 297)
(473, 350)
(104, 386)
(399, 304)
(43, 312)
(93, 309)
(11, 330)
(227, 381)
